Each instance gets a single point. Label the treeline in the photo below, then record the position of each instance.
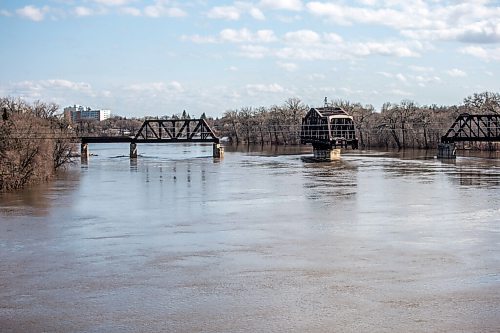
(402, 125)
(35, 142)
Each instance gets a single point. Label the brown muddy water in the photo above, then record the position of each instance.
(262, 241)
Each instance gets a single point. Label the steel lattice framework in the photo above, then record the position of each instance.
(164, 131)
(469, 127)
(175, 130)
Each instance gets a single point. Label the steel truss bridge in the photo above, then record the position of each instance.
(474, 128)
(163, 131)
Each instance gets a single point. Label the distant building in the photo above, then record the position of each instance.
(76, 113)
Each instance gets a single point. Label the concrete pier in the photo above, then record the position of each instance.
(446, 150)
(84, 151)
(326, 154)
(218, 151)
(133, 150)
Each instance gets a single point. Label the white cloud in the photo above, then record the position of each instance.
(235, 36)
(253, 89)
(293, 5)
(399, 92)
(347, 15)
(288, 66)
(487, 54)
(386, 48)
(455, 72)
(83, 11)
(477, 32)
(316, 76)
(33, 13)
(368, 2)
(421, 68)
(66, 84)
(423, 80)
(333, 38)
(309, 45)
(265, 36)
(176, 86)
(199, 39)
(225, 12)
(401, 77)
(302, 37)
(245, 35)
(50, 89)
(481, 32)
(235, 12)
(257, 14)
(160, 8)
(420, 80)
(469, 22)
(254, 51)
(155, 88)
(113, 2)
(131, 11)
(332, 46)
(398, 76)
(385, 74)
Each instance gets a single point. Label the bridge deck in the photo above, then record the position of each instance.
(106, 139)
(118, 139)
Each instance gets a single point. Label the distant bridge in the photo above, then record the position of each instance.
(469, 128)
(473, 128)
(162, 131)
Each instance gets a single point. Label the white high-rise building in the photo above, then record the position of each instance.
(78, 112)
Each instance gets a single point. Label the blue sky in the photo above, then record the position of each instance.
(158, 57)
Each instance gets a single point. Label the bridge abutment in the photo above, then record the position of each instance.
(446, 150)
(218, 151)
(326, 154)
(133, 150)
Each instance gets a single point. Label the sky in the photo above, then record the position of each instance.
(160, 57)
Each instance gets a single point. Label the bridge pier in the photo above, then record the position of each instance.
(84, 151)
(217, 151)
(133, 150)
(326, 154)
(446, 150)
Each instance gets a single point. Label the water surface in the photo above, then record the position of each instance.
(261, 241)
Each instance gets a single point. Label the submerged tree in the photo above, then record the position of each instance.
(34, 143)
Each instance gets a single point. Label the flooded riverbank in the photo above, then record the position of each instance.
(261, 241)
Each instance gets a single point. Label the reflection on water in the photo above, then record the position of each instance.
(39, 199)
(260, 241)
(331, 180)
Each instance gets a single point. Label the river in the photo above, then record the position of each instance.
(260, 241)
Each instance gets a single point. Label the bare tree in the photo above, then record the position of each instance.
(483, 103)
(34, 143)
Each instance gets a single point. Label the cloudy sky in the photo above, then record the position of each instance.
(157, 57)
